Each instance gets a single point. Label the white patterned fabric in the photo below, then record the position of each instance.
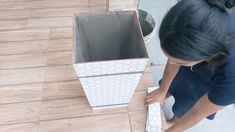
(110, 83)
(153, 123)
(110, 67)
(110, 90)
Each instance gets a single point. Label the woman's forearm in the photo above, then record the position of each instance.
(169, 74)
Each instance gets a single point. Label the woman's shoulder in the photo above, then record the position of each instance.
(228, 67)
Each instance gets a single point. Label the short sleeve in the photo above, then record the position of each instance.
(223, 80)
(223, 90)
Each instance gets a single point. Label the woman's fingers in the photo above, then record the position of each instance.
(150, 102)
(149, 96)
(149, 99)
(155, 96)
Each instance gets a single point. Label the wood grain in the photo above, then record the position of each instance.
(24, 35)
(60, 45)
(98, 2)
(59, 12)
(104, 123)
(138, 120)
(22, 61)
(68, 108)
(42, 13)
(28, 127)
(145, 82)
(35, 47)
(12, 24)
(138, 101)
(59, 58)
(25, 47)
(50, 22)
(60, 73)
(58, 90)
(19, 113)
(21, 5)
(59, 33)
(21, 76)
(21, 93)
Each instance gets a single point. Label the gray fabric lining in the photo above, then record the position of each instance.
(108, 36)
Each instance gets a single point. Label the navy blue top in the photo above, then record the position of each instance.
(222, 80)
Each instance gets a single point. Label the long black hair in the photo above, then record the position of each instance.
(196, 30)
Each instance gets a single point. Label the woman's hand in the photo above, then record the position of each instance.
(157, 95)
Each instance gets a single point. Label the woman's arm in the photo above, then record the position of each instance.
(159, 95)
(203, 108)
(169, 74)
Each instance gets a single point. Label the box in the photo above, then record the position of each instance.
(109, 56)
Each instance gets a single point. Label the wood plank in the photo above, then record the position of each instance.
(59, 58)
(138, 101)
(50, 22)
(12, 24)
(15, 0)
(42, 13)
(29, 47)
(60, 90)
(59, 3)
(60, 73)
(145, 82)
(70, 108)
(138, 121)
(123, 4)
(15, 5)
(59, 45)
(19, 113)
(98, 8)
(21, 76)
(98, 2)
(28, 127)
(22, 61)
(24, 35)
(21, 5)
(15, 14)
(24, 47)
(35, 34)
(105, 123)
(59, 12)
(21, 93)
(58, 33)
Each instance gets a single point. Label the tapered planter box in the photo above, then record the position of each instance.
(109, 56)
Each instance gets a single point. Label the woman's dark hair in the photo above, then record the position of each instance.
(196, 30)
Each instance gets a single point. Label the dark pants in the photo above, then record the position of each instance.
(188, 87)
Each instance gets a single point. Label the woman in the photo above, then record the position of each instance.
(197, 36)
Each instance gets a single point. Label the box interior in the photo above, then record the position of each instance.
(108, 36)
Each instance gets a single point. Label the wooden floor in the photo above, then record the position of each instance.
(39, 91)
